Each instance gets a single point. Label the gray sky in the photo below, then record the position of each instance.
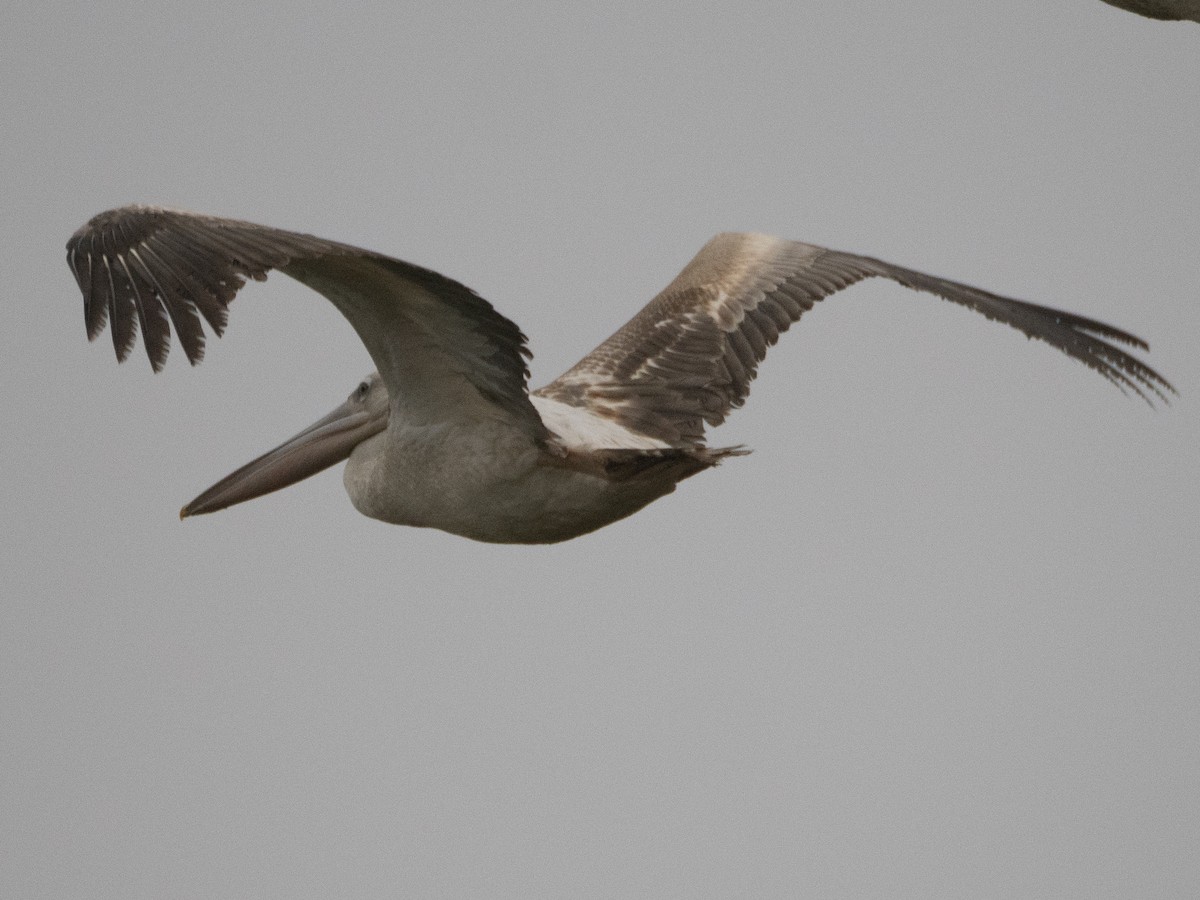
(937, 637)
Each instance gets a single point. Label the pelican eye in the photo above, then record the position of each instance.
(360, 392)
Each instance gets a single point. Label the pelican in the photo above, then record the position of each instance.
(1170, 10)
(446, 433)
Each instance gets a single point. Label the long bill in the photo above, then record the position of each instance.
(324, 443)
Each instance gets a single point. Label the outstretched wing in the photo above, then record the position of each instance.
(1161, 9)
(689, 356)
(443, 351)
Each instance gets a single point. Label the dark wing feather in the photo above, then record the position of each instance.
(1167, 10)
(688, 357)
(441, 349)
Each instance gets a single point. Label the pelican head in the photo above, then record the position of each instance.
(327, 441)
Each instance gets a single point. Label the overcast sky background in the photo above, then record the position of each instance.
(937, 637)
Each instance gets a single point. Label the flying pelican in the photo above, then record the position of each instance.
(446, 433)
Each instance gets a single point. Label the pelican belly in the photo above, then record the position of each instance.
(488, 482)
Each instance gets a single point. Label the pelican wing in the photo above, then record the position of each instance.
(1168, 10)
(442, 350)
(689, 356)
